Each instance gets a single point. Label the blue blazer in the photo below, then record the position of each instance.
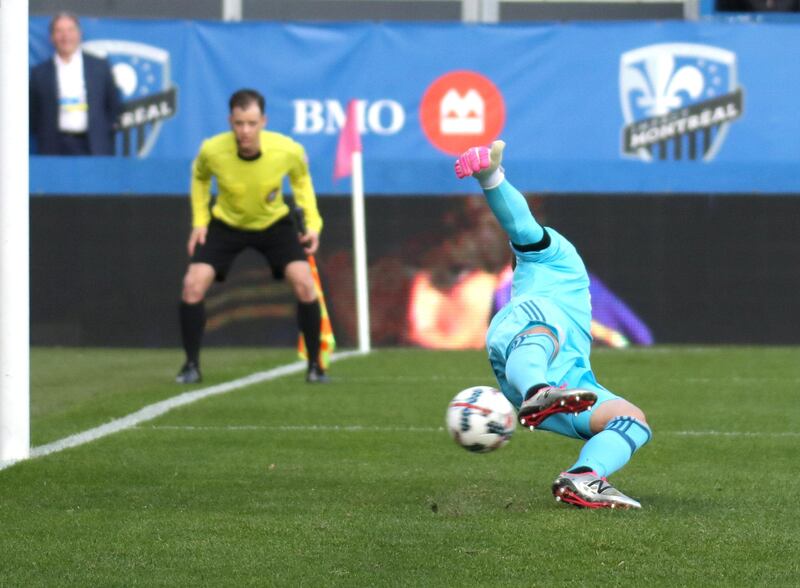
(102, 96)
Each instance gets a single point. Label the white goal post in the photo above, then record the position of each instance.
(14, 233)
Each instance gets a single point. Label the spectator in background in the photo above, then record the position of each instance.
(250, 165)
(74, 101)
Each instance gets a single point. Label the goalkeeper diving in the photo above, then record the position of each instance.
(539, 345)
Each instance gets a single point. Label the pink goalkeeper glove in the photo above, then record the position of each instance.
(473, 160)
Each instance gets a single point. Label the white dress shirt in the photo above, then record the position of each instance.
(73, 111)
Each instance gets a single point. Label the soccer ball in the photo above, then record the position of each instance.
(481, 419)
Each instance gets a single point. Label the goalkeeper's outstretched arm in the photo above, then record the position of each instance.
(507, 203)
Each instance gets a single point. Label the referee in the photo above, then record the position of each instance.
(249, 165)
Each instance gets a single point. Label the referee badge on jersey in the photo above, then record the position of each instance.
(149, 96)
(678, 100)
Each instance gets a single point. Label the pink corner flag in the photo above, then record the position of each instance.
(349, 143)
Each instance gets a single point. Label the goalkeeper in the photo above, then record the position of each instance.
(250, 165)
(539, 345)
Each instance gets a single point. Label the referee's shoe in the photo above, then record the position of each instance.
(189, 374)
(316, 375)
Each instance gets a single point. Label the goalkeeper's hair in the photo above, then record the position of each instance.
(245, 97)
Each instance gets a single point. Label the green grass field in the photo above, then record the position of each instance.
(357, 483)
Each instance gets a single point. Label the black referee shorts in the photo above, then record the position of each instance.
(278, 244)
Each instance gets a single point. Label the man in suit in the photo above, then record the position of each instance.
(74, 101)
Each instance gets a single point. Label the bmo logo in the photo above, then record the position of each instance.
(314, 117)
(462, 109)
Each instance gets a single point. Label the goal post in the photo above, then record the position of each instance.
(14, 233)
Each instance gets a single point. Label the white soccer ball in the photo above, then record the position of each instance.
(481, 419)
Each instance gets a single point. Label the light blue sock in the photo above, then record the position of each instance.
(613, 447)
(513, 214)
(527, 363)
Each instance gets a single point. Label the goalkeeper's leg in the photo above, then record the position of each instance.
(507, 203)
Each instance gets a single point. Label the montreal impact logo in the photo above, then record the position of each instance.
(678, 100)
(142, 73)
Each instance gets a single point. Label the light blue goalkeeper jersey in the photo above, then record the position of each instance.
(549, 287)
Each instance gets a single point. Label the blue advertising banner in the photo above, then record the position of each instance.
(602, 107)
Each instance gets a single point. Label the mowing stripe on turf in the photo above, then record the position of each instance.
(379, 429)
(152, 411)
(300, 428)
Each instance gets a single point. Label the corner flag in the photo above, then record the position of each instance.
(349, 162)
(349, 143)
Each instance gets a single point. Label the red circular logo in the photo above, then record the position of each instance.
(462, 109)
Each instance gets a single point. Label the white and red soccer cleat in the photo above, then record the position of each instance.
(551, 400)
(588, 490)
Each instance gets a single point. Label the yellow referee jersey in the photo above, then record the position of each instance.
(250, 193)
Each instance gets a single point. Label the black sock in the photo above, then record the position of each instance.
(534, 389)
(193, 323)
(309, 318)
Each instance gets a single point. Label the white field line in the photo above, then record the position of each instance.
(379, 429)
(153, 411)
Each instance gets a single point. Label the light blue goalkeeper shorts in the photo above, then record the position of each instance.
(570, 367)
